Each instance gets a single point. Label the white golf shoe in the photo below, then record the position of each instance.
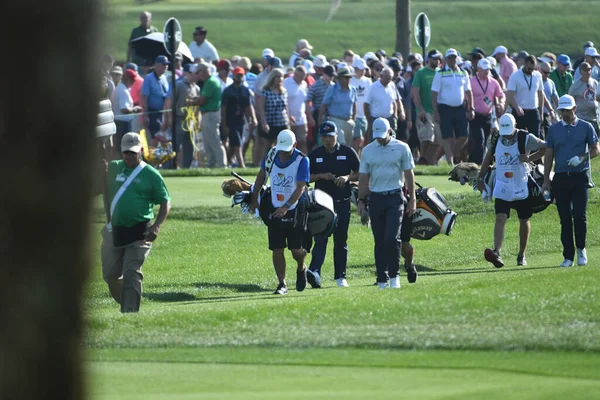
(395, 282)
(341, 282)
(581, 257)
(566, 263)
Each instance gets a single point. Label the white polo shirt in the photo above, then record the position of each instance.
(206, 51)
(526, 88)
(381, 99)
(385, 164)
(363, 86)
(121, 98)
(296, 97)
(451, 86)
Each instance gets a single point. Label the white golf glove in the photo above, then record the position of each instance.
(574, 161)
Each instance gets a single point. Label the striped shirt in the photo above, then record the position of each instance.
(451, 86)
(316, 93)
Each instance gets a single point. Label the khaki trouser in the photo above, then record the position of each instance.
(345, 129)
(122, 261)
(215, 152)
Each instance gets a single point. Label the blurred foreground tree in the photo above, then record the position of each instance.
(48, 108)
(403, 27)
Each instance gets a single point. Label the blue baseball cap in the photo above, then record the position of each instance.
(328, 129)
(564, 60)
(131, 66)
(275, 62)
(162, 60)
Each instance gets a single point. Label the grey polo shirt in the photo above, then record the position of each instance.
(386, 164)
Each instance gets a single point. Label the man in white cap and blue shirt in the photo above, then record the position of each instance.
(289, 172)
(510, 186)
(571, 143)
(384, 166)
(362, 85)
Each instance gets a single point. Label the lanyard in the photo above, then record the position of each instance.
(481, 86)
(530, 83)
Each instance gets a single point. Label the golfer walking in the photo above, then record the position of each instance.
(382, 166)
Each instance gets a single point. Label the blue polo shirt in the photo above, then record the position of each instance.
(343, 160)
(568, 141)
(156, 89)
(339, 102)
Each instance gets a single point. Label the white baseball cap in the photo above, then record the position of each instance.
(309, 66)
(451, 52)
(566, 102)
(492, 61)
(320, 61)
(592, 52)
(381, 126)
(268, 53)
(370, 56)
(499, 50)
(285, 140)
(341, 65)
(507, 125)
(359, 63)
(484, 64)
(131, 142)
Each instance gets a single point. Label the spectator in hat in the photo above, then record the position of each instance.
(186, 88)
(223, 70)
(520, 59)
(145, 28)
(332, 167)
(450, 91)
(236, 108)
(116, 73)
(178, 67)
(123, 106)
(154, 93)
(550, 96)
(339, 105)
(383, 101)
(586, 95)
(362, 85)
(381, 55)
(488, 101)
(592, 57)
(202, 48)
(586, 45)
(561, 76)
(507, 65)
(571, 144)
(403, 127)
(494, 72)
(272, 110)
(319, 63)
(314, 99)
(411, 113)
(525, 94)
(428, 129)
(261, 77)
(300, 45)
(136, 91)
(297, 91)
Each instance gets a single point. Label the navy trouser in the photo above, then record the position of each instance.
(571, 195)
(479, 131)
(340, 243)
(530, 121)
(386, 212)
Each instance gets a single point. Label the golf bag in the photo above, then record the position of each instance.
(433, 215)
(322, 218)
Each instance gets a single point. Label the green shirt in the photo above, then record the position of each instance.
(423, 80)
(562, 83)
(212, 91)
(138, 200)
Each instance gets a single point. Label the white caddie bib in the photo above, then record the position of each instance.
(511, 173)
(283, 182)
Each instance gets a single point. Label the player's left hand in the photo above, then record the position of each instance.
(152, 233)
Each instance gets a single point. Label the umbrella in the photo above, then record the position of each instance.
(152, 46)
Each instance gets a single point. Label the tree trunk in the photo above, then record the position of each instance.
(48, 104)
(403, 27)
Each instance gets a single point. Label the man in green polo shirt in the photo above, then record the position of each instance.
(428, 130)
(210, 107)
(143, 29)
(561, 76)
(133, 189)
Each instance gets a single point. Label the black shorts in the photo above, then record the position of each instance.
(273, 132)
(282, 235)
(523, 207)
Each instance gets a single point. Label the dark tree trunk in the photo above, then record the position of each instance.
(48, 107)
(403, 27)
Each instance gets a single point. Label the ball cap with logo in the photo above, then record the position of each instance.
(507, 125)
(381, 126)
(484, 64)
(131, 142)
(566, 102)
(285, 141)
(328, 129)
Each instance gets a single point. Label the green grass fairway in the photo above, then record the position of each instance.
(246, 27)
(209, 327)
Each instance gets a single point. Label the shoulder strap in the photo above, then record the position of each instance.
(270, 160)
(122, 189)
(494, 138)
(521, 139)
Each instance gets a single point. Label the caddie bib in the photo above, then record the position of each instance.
(511, 173)
(283, 182)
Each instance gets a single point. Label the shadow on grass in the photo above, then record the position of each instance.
(169, 297)
(238, 287)
(421, 268)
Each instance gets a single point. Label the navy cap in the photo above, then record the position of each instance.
(328, 129)
(477, 50)
(275, 62)
(394, 64)
(131, 66)
(162, 60)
